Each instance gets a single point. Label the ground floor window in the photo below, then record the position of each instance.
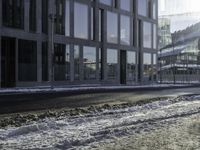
(44, 61)
(61, 62)
(147, 72)
(131, 66)
(77, 62)
(27, 60)
(112, 63)
(89, 62)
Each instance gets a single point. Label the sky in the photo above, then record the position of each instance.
(182, 13)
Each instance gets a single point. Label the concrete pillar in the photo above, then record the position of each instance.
(39, 15)
(39, 61)
(26, 15)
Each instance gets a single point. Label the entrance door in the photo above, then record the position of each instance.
(8, 62)
(123, 67)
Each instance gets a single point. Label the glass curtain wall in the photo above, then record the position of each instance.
(77, 62)
(125, 30)
(147, 35)
(131, 66)
(147, 72)
(61, 62)
(112, 27)
(89, 62)
(112, 63)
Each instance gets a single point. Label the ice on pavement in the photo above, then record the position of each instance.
(83, 131)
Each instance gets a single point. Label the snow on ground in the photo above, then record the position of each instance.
(102, 129)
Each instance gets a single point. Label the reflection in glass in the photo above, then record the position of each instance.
(147, 67)
(125, 30)
(142, 7)
(80, 20)
(112, 63)
(154, 36)
(61, 62)
(89, 63)
(131, 65)
(147, 35)
(107, 2)
(27, 60)
(77, 62)
(112, 27)
(125, 5)
(154, 9)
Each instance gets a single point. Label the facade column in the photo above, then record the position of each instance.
(26, 15)
(39, 16)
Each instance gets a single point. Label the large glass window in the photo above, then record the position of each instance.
(27, 59)
(62, 24)
(32, 15)
(112, 63)
(45, 16)
(125, 30)
(112, 27)
(154, 67)
(131, 66)
(77, 62)
(61, 62)
(107, 2)
(142, 7)
(147, 67)
(125, 5)
(81, 20)
(147, 35)
(89, 62)
(154, 5)
(100, 24)
(13, 13)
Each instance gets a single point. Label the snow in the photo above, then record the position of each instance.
(85, 131)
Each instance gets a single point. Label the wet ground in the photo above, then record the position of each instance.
(171, 122)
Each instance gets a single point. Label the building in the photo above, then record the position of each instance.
(164, 34)
(180, 61)
(74, 42)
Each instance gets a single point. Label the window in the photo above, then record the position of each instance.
(89, 63)
(147, 35)
(27, 60)
(131, 65)
(62, 21)
(112, 27)
(45, 16)
(77, 62)
(112, 63)
(154, 72)
(125, 5)
(13, 13)
(92, 24)
(61, 62)
(100, 24)
(100, 64)
(107, 2)
(44, 61)
(142, 7)
(32, 16)
(154, 3)
(80, 20)
(147, 66)
(125, 30)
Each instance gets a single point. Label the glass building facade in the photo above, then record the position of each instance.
(70, 42)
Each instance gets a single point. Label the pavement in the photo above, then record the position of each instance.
(32, 99)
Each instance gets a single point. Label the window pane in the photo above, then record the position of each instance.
(154, 9)
(80, 20)
(13, 13)
(131, 65)
(76, 62)
(61, 62)
(147, 67)
(147, 35)
(27, 60)
(125, 30)
(44, 16)
(142, 7)
(112, 27)
(125, 4)
(89, 62)
(107, 2)
(112, 63)
(67, 18)
(45, 61)
(32, 15)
